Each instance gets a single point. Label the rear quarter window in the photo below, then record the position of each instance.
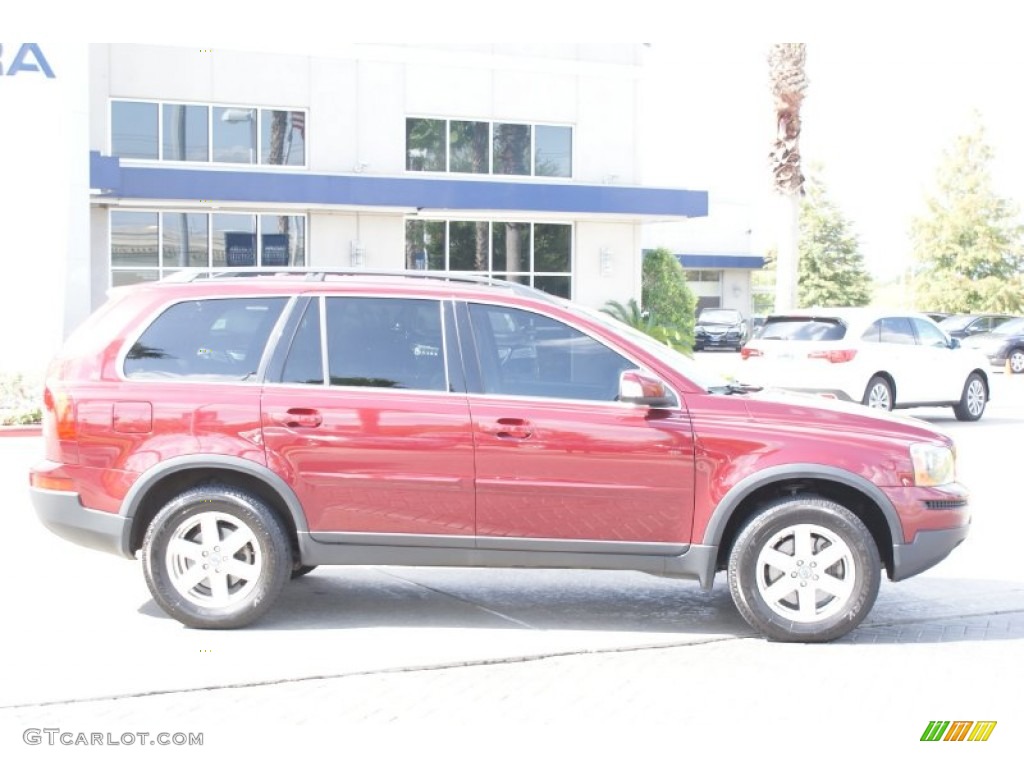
(206, 339)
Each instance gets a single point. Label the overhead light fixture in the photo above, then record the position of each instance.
(356, 254)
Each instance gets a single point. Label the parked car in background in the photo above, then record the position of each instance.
(236, 433)
(1002, 345)
(880, 358)
(962, 326)
(720, 329)
(756, 324)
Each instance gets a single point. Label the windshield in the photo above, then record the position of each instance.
(726, 316)
(686, 366)
(956, 323)
(1010, 327)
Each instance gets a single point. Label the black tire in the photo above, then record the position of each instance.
(1016, 360)
(234, 588)
(301, 570)
(973, 400)
(847, 580)
(879, 394)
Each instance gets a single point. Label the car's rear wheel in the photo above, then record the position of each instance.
(1016, 359)
(804, 570)
(972, 401)
(216, 557)
(879, 394)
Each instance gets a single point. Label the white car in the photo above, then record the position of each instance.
(881, 358)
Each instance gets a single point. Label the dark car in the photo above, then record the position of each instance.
(962, 326)
(236, 433)
(1002, 346)
(720, 329)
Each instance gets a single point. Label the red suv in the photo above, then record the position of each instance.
(240, 431)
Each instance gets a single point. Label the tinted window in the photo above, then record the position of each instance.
(134, 129)
(873, 333)
(897, 330)
(523, 353)
(802, 329)
(393, 343)
(1010, 328)
(186, 132)
(305, 361)
(928, 335)
(219, 339)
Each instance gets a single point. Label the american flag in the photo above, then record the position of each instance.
(299, 123)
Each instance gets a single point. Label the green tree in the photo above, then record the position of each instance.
(967, 247)
(665, 295)
(831, 268)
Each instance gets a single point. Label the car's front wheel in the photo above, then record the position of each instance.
(216, 557)
(804, 570)
(973, 400)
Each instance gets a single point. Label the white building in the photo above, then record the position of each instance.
(521, 162)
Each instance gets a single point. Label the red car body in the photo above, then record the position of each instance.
(460, 475)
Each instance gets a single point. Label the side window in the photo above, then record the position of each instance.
(527, 354)
(305, 361)
(873, 333)
(929, 335)
(384, 342)
(209, 339)
(897, 330)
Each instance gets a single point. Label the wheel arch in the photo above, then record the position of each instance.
(163, 482)
(882, 375)
(855, 493)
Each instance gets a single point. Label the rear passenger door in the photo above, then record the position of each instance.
(365, 414)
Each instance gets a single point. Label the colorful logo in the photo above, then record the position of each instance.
(958, 730)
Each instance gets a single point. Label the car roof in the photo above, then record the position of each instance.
(411, 282)
(848, 314)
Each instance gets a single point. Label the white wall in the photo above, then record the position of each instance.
(44, 200)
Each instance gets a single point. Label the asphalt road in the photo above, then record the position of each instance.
(392, 665)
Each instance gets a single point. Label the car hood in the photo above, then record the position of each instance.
(979, 340)
(822, 412)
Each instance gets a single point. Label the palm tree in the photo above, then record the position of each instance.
(789, 81)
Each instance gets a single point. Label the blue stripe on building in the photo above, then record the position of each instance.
(115, 180)
(719, 261)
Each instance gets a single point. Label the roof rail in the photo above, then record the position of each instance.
(319, 274)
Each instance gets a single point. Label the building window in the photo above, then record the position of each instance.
(533, 254)
(186, 132)
(135, 130)
(149, 245)
(478, 147)
(201, 133)
(425, 145)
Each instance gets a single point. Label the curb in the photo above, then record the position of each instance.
(22, 430)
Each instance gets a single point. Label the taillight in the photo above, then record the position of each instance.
(833, 355)
(748, 352)
(61, 408)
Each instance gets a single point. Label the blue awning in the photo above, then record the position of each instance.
(119, 181)
(719, 261)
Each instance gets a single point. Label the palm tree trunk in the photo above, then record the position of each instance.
(786, 66)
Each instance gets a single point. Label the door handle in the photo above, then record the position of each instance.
(511, 428)
(299, 417)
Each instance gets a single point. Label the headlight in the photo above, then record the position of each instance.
(933, 464)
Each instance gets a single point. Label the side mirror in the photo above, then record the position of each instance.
(954, 343)
(635, 386)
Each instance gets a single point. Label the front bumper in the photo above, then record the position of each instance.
(927, 549)
(62, 512)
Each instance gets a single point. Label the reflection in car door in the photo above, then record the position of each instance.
(368, 424)
(560, 464)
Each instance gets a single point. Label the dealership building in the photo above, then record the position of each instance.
(130, 163)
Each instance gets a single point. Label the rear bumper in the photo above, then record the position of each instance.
(927, 549)
(62, 513)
